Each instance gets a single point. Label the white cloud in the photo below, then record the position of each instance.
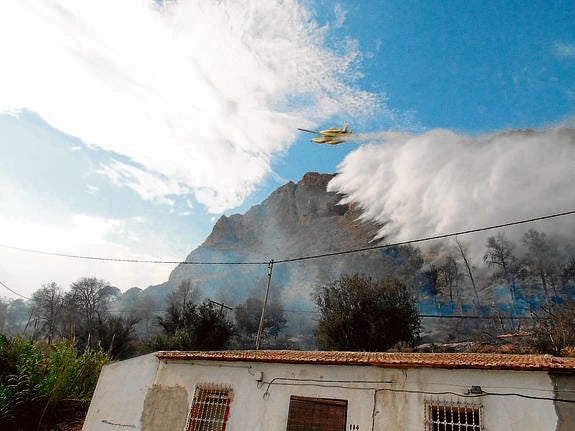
(197, 95)
(440, 182)
(92, 189)
(564, 50)
(25, 272)
(340, 14)
(31, 221)
(81, 235)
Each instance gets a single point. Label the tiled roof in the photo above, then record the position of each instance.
(490, 361)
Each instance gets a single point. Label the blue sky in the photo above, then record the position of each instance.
(127, 129)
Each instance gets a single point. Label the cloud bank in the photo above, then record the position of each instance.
(195, 97)
(441, 182)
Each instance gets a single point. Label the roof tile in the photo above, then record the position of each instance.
(495, 361)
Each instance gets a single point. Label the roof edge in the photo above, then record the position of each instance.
(486, 361)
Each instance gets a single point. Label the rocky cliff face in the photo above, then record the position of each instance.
(295, 221)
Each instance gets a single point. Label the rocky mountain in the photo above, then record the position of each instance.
(298, 222)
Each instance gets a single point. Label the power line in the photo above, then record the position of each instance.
(429, 238)
(463, 316)
(424, 316)
(301, 258)
(14, 292)
(114, 259)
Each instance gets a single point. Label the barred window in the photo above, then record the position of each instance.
(210, 408)
(318, 414)
(453, 416)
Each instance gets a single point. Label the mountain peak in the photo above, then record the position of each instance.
(297, 219)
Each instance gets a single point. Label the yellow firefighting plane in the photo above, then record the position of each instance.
(331, 136)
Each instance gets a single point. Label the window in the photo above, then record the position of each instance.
(317, 414)
(453, 416)
(210, 408)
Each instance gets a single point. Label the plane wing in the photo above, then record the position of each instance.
(309, 131)
(331, 136)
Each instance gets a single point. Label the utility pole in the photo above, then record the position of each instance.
(259, 336)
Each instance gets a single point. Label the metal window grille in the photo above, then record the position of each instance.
(210, 408)
(317, 414)
(453, 416)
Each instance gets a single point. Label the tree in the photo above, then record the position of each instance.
(448, 277)
(541, 260)
(86, 307)
(554, 329)
(47, 305)
(177, 325)
(184, 294)
(248, 317)
(360, 314)
(213, 330)
(115, 335)
(500, 255)
(189, 326)
(141, 306)
(568, 271)
(17, 316)
(469, 271)
(430, 278)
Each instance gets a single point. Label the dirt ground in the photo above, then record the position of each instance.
(70, 423)
(74, 425)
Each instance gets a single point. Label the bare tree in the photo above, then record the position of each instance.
(145, 306)
(449, 278)
(500, 255)
(47, 306)
(541, 260)
(87, 303)
(469, 272)
(568, 271)
(184, 295)
(554, 329)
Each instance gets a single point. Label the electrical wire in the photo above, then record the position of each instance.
(462, 316)
(429, 316)
(290, 381)
(120, 260)
(301, 258)
(467, 395)
(428, 238)
(293, 381)
(13, 291)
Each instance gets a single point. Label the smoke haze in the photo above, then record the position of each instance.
(441, 182)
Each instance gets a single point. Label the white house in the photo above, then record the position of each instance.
(320, 391)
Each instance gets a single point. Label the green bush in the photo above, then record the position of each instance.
(42, 383)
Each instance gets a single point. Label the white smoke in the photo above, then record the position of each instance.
(441, 182)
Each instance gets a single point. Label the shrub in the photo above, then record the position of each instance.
(40, 384)
(360, 314)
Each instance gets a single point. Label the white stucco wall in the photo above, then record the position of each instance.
(119, 396)
(401, 406)
(257, 407)
(398, 394)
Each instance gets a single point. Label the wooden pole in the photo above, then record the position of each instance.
(261, 328)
